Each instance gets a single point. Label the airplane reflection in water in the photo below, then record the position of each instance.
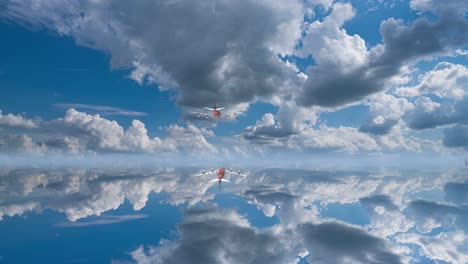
(220, 173)
(349, 216)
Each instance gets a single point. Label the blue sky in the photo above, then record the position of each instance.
(358, 77)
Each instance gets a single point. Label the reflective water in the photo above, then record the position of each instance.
(272, 216)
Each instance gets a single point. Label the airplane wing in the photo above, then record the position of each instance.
(233, 115)
(200, 114)
(238, 172)
(205, 172)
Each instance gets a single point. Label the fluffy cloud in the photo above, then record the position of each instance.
(446, 246)
(216, 50)
(21, 143)
(302, 135)
(16, 209)
(359, 71)
(386, 199)
(346, 139)
(429, 215)
(437, 7)
(441, 248)
(79, 132)
(329, 44)
(446, 80)
(331, 242)
(208, 235)
(385, 111)
(429, 114)
(189, 138)
(270, 133)
(87, 193)
(293, 127)
(387, 219)
(332, 48)
(104, 134)
(11, 120)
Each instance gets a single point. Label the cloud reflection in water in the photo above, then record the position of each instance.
(413, 215)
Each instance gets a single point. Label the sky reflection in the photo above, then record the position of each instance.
(166, 215)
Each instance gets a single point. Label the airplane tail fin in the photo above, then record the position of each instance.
(215, 180)
(224, 180)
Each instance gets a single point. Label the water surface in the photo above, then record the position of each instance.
(165, 215)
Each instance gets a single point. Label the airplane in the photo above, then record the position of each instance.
(220, 175)
(216, 112)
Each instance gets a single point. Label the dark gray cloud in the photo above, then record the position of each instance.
(272, 132)
(456, 193)
(211, 235)
(293, 128)
(332, 242)
(448, 82)
(401, 44)
(222, 236)
(210, 51)
(331, 90)
(228, 51)
(456, 136)
(428, 114)
(444, 214)
(385, 112)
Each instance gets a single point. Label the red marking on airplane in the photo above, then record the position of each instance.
(221, 172)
